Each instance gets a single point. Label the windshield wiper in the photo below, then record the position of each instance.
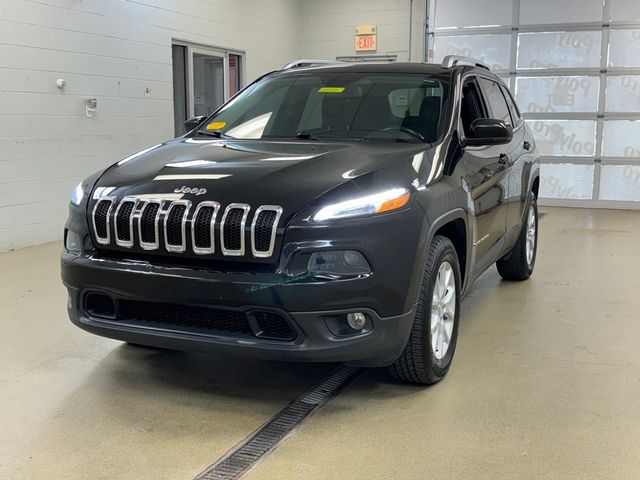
(305, 136)
(212, 133)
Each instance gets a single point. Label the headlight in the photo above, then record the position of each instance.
(386, 201)
(77, 195)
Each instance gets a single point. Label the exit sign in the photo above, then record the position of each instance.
(366, 38)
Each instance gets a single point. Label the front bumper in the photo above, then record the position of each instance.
(315, 341)
(394, 245)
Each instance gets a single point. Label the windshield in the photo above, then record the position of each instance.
(336, 105)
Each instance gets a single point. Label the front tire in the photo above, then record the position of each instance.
(429, 351)
(518, 264)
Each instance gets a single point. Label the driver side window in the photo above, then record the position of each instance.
(471, 107)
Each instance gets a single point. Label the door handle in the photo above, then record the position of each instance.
(504, 159)
(526, 145)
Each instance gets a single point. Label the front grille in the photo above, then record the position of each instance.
(232, 233)
(152, 224)
(189, 318)
(263, 230)
(233, 222)
(203, 227)
(148, 226)
(124, 213)
(101, 220)
(175, 226)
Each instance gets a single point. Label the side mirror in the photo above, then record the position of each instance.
(194, 122)
(488, 131)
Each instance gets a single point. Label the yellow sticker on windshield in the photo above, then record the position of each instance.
(331, 90)
(216, 126)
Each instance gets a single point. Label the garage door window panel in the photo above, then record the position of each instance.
(624, 48)
(620, 183)
(558, 94)
(621, 138)
(623, 93)
(570, 49)
(493, 50)
(624, 10)
(536, 12)
(476, 14)
(566, 181)
(570, 138)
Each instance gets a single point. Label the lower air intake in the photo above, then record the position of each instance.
(99, 305)
(189, 318)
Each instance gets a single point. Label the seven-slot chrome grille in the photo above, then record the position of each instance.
(177, 227)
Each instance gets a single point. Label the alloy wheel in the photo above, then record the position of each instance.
(531, 234)
(443, 310)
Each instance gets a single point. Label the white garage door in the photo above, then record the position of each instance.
(574, 66)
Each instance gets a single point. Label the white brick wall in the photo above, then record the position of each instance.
(113, 50)
(328, 27)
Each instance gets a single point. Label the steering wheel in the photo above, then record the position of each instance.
(407, 130)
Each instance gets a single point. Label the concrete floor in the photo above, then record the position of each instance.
(545, 384)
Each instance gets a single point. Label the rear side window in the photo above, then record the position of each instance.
(497, 102)
(515, 112)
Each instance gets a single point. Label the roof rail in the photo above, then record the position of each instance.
(306, 62)
(453, 60)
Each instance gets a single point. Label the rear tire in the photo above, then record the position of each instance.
(429, 351)
(518, 264)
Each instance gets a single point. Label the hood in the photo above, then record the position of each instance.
(288, 174)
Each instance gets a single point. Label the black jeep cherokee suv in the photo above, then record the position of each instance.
(332, 213)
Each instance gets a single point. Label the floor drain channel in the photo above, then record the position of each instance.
(263, 441)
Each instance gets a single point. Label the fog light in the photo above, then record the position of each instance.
(356, 320)
(73, 242)
(338, 262)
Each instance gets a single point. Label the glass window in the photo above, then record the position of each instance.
(208, 83)
(336, 105)
(623, 93)
(494, 50)
(180, 107)
(471, 107)
(535, 12)
(576, 138)
(565, 180)
(624, 48)
(621, 138)
(624, 10)
(513, 108)
(559, 49)
(620, 182)
(497, 103)
(471, 13)
(558, 94)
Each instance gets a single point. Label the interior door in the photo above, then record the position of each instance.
(486, 178)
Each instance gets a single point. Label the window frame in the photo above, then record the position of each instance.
(470, 79)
